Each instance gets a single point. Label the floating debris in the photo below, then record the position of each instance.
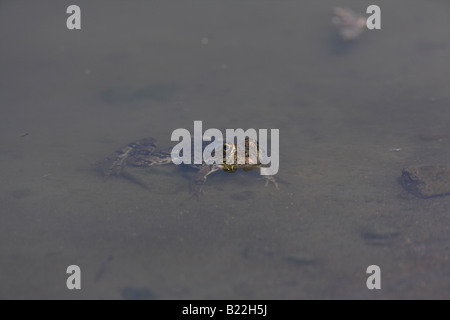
(349, 24)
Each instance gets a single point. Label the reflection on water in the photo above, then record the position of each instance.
(350, 118)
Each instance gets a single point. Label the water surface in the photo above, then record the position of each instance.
(350, 118)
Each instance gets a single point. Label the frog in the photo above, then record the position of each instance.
(145, 153)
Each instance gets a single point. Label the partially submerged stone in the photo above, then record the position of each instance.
(426, 181)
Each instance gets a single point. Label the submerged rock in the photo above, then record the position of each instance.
(426, 181)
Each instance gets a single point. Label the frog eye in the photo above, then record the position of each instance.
(229, 168)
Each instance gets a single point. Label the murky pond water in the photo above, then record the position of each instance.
(350, 118)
